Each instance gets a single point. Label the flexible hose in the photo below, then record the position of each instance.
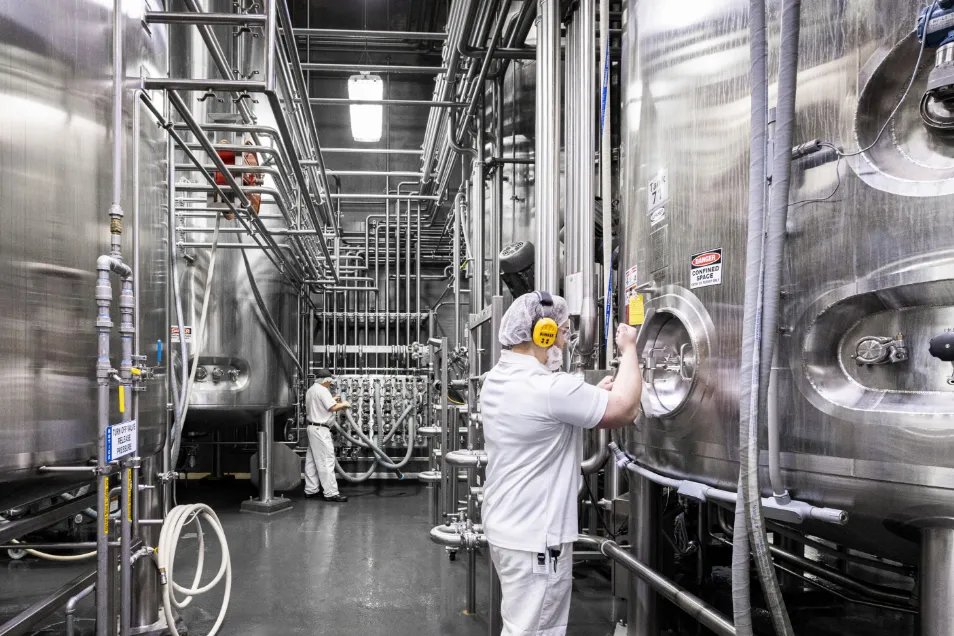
(62, 558)
(180, 318)
(165, 556)
(748, 374)
(771, 285)
(384, 459)
(197, 338)
(270, 326)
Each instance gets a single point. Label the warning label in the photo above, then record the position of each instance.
(705, 269)
(175, 334)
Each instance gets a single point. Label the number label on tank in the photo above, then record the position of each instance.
(658, 192)
(705, 269)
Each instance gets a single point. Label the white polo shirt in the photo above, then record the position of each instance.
(318, 404)
(533, 430)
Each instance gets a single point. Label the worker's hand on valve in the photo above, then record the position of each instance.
(606, 383)
(625, 337)
(344, 405)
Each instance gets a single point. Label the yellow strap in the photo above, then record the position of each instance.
(106, 507)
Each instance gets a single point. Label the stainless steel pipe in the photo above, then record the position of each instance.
(679, 596)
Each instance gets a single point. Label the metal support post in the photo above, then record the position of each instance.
(643, 526)
(937, 582)
(495, 622)
(266, 503)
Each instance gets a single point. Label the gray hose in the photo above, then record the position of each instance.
(382, 456)
(270, 325)
(772, 280)
(355, 479)
(748, 374)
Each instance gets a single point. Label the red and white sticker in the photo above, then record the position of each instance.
(705, 269)
(175, 334)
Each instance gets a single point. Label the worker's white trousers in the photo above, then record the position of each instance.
(320, 462)
(535, 600)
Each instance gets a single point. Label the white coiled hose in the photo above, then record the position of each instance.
(178, 518)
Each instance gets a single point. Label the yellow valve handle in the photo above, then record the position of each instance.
(136, 371)
(122, 398)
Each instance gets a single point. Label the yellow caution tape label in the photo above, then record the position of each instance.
(106, 505)
(636, 310)
(129, 494)
(122, 398)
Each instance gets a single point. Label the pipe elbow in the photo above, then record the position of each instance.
(446, 536)
(465, 458)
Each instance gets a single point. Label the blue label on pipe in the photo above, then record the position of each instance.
(159, 351)
(606, 67)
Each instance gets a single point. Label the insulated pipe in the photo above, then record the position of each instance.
(775, 230)
(547, 151)
(679, 596)
(771, 263)
(748, 397)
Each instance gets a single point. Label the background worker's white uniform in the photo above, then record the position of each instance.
(320, 458)
(533, 427)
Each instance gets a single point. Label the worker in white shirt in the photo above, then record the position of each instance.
(534, 416)
(320, 409)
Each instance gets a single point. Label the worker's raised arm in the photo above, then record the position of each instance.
(626, 388)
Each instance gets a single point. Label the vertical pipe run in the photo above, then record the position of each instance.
(265, 436)
(585, 130)
(643, 524)
(606, 177)
(456, 264)
(547, 154)
(496, 220)
(937, 582)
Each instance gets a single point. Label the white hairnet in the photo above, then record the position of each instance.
(517, 324)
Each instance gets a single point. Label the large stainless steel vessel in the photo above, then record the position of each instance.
(55, 180)
(242, 370)
(870, 263)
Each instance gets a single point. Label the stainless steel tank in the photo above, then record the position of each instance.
(242, 370)
(55, 180)
(861, 430)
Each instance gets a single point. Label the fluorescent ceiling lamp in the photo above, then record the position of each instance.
(367, 120)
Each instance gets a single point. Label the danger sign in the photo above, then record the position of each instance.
(705, 269)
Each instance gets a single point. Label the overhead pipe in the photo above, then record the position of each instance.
(372, 68)
(366, 34)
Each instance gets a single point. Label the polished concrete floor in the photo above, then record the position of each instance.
(364, 568)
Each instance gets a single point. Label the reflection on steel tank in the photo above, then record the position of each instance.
(55, 140)
(865, 405)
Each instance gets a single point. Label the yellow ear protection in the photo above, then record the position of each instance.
(545, 329)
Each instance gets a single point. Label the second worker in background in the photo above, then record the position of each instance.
(320, 409)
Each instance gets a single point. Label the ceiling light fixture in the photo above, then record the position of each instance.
(367, 120)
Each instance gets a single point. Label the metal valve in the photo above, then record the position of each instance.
(871, 350)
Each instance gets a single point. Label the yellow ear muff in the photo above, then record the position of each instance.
(545, 332)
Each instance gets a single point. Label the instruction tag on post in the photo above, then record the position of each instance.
(121, 440)
(636, 310)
